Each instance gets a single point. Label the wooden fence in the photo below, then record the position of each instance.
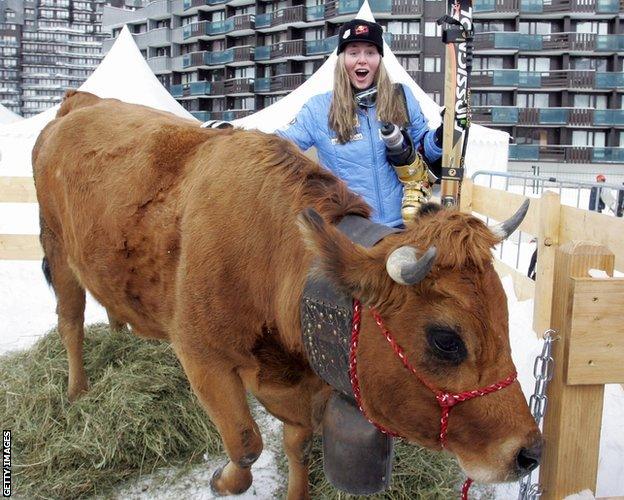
(585, 312)
(587, 315)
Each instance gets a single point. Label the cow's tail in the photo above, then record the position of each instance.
(45, 263)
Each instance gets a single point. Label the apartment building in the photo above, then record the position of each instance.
(47, 47)
(549, 72)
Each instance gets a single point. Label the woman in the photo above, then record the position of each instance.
(345, 124)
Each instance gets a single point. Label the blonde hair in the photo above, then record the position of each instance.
(342, 111)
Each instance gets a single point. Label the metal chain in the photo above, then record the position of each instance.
(543, 373)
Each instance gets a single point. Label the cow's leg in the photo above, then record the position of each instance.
(221, 392)
(297, 445)
(70, 306)
(113, 323)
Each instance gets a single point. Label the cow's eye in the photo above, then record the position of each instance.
(446, 344)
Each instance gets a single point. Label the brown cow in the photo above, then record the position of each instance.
(193, 236)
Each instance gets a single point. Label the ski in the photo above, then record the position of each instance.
(457, 34)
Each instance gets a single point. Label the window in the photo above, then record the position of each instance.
(596, 27)
(536, 100)
(595, 63)
(9, 14)
(535, 28)
(534, 64)
(433, 64)
(435, 96)
(487, 26)
(590, 101)
(314, 34)
(403, 27)
(433, 29)
(487, 99)
(409, 63)
(588, 138)
(484, 63)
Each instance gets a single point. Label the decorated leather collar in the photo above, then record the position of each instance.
(327, 313)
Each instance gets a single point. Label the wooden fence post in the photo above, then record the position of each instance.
(465, 198)
(547, 243)
(574, 414)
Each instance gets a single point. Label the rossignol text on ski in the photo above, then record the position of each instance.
(457, 34)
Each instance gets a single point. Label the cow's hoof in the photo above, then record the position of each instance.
(230, 480)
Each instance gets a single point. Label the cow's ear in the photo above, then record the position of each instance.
(350, 266)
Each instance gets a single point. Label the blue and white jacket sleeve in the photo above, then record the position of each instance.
(298, 130)
(419, 129)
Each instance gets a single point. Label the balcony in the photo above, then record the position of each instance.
(280, 50)
(289, 15)
(159, 65)
(541, 7)
(557, 42)
(281, 83)
(197, 89)
(235, 86)
(242, 54)
(567, 6)
(566, 154)
(550, 80)
(404, 43)
(202, 116)
(158, 37)
(157, 10)
(410, 8)
(230, 114)
(315, 13)
(573, 117)
(495, 6)
(189, 4)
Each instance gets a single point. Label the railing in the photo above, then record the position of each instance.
(565, 42)
(315, 13)
(334, 8)
(553, 6)
(278, 83)
(288, 15)
(568, 154)
(288, 48)
(581, 79)
(405, 43)
(238, 86)
(207, 58)
(548, 116)
(189, 4)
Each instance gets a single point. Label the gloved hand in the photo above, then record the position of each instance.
(440, 130)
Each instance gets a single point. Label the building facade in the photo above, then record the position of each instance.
(550, 73)
(47, 46)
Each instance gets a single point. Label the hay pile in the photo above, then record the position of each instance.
(138, 415)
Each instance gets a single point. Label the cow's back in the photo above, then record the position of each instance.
(108, 179)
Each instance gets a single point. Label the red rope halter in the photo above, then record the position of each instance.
(446, 400)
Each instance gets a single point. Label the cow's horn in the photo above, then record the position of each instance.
(404, 266)
(504, 229)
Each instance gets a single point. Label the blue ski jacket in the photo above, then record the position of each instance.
(362, 161)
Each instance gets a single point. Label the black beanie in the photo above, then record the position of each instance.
(358, 30)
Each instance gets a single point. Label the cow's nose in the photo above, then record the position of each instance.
(529, 458)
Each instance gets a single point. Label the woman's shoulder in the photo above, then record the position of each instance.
(318, 100)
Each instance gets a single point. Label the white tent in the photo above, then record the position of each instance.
(122, 74)
(487, 148)
(7, 116)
